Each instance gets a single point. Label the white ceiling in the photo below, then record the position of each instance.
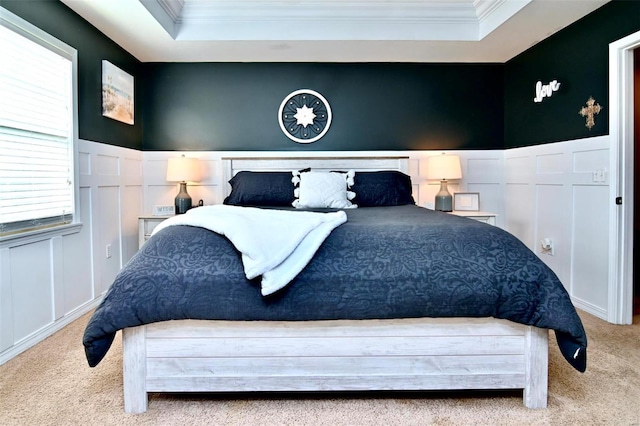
(329, 30)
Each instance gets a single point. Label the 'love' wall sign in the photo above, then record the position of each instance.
(545, 90)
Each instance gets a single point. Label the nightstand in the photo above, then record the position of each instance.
(485, 217)
(146, 224)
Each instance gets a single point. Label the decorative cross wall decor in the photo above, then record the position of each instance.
(590, 111)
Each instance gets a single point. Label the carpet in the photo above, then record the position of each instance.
(51, 384)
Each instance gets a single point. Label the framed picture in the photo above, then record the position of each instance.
(117, 93)
(164, 210)
(466, 201)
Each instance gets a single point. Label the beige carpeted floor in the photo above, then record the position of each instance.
(51, 384)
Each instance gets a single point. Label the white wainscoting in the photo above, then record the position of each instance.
(49, 280)
(550, 193)
(537, 192)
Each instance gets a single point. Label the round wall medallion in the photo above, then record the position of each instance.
(304, 116)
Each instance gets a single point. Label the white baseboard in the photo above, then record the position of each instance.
(590, 308)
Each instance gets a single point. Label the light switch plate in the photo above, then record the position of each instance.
(164, 210)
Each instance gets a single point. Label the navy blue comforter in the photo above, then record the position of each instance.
(385, 262)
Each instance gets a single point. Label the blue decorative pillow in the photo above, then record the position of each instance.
(267, 189)
(382, 188)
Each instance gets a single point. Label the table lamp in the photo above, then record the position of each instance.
(183, 169)
(443, 167)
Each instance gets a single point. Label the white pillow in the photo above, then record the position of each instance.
(324, 190)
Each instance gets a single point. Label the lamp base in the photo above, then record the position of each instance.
(183, 199)
(444, 200)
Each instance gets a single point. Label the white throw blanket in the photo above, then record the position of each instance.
(276, 244)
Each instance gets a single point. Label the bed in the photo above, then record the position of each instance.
(396, 298)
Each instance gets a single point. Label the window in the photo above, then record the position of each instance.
(37, 128)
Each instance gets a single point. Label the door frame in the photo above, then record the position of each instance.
(621, 157)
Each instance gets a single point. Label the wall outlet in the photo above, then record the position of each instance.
(599, 176)
(108, 251)
(430, 206)
(547, 247)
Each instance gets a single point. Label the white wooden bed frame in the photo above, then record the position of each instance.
(398, 354)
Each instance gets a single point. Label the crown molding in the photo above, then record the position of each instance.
(241, 20)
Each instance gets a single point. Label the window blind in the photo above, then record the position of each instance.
(36, 134)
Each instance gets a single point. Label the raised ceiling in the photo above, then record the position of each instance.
(329, 30)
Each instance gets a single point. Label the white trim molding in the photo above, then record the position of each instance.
(620, 309)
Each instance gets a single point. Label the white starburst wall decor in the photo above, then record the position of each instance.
(304, 116)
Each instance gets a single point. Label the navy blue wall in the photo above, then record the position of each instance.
(213, 106)
(578, 58)
(61, 22)
(206, 106)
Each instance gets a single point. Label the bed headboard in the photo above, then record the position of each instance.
(233, 165)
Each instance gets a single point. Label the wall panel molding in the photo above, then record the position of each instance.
(552, 191)
(546, 190)
(74, 271)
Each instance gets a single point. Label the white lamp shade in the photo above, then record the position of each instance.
(443, 167)
(183, 169)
